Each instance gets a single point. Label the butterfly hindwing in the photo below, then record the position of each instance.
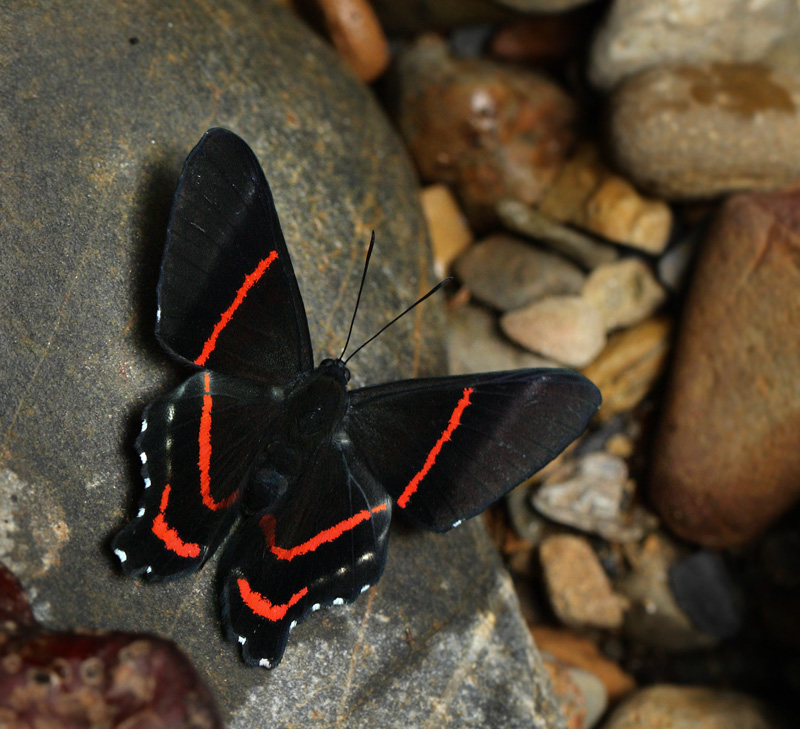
(324, 544)
(197, 447)
(445, 448)
(228, 298)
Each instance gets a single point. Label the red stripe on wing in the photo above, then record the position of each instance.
(267, 525)
(204, 462)
(249, 281)
(263, 607)
(170, 536)
(455, 421)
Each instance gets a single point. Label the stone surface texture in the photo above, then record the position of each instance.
(640, 34)
(698, 131)
(725, 462)
(103, 105)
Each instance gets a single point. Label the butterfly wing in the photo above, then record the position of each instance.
(445, 448)
(324, 544)
(228, 298)
(197, 446)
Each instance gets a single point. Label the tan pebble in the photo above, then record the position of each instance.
(450, 235)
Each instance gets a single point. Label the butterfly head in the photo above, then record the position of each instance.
(335, 368)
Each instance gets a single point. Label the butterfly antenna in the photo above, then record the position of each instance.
(386, 326)
(360, 289)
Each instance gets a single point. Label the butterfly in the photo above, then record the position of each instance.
(309, 469)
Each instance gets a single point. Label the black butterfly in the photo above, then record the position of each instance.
(313, 469)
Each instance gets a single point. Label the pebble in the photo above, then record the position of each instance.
(581, 248)
(578, 589)
(641, 34)
(654, 618)
(674, 265)
(475, 344)
(356, 33)
(587, 194)
(580, 652)
(725, 461)
(673, 129)
(489, 131)
(507, 273)
(595, 500)
(703, 587)
(568, 693)
(624, 292)
(449, 233)
(686, 707)
(629, 366)
(567, 329)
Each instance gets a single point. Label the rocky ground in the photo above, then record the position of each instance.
(615, 187)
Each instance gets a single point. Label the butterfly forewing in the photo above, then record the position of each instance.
(228, 298)
(197, 446)
(324, 544)
(446, 448)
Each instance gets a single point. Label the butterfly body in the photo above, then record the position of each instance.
(309, 469)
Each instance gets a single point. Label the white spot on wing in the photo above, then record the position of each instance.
(293, 625)
(338, 601)
(144, 424)
(364, 589)
(170, 413)
(149, 570)
(455, 524)
(143, 457)
(242, 639)
(122, 556)
(264, 662)
(158, 315)
(146, 482)
(316, 606)
(140, 512)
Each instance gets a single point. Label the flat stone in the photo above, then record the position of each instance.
(578, 588)
(725, 460)
(595, 499)
(641, 34)
(672, 129)
(579, 247)
(567, 329)
(624, 292)
(507, 273)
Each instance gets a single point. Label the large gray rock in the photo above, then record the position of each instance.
(103, 105)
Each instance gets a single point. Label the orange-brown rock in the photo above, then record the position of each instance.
(582, 653)
(726, 460)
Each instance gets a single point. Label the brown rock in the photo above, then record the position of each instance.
(355, 32)
(508, 273)
(567, 692)
(564, 328)
(726, 461)
(624, 292)
(587, 194)
(673, 129)
(630, 364)
(688, 707)
(448, 230)
(489, 131)
(579, 590)
(581, 652)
